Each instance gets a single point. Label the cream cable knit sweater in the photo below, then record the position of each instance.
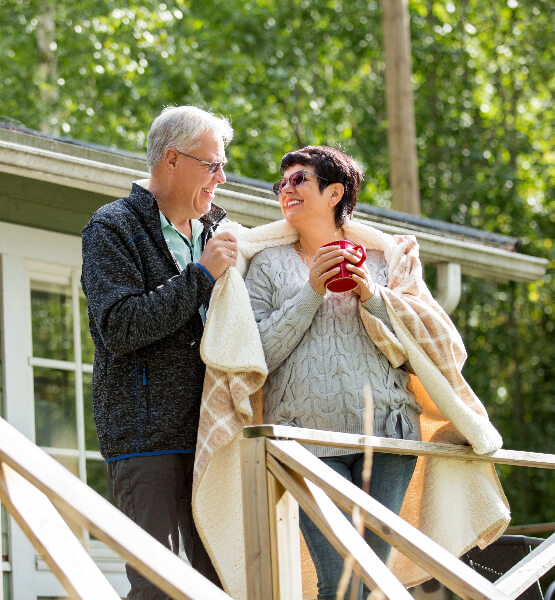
(319, 356)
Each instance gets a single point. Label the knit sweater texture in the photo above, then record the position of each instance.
(320, 358)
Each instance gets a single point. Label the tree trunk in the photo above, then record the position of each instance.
(47, 71)
(400, 109)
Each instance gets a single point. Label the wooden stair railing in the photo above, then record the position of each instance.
(278, 473)
(40, 494)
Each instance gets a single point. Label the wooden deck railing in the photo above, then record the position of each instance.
(278, 474)
(41, 494)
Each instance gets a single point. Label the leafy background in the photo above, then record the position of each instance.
(292, 72)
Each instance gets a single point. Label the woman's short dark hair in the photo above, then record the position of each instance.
(335, 167)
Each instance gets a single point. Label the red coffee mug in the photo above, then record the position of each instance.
(343, 281)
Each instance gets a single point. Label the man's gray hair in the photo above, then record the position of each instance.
(181, 127)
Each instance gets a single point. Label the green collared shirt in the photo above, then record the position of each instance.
(184, 250)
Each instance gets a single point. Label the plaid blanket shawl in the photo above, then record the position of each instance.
(438, 500)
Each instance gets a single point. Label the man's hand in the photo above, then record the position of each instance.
(219, 254)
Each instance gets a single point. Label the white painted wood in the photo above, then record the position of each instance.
(78, 383)
(448, 291)
(79, 408)
(16, 327)
(70, 171)
(18, 392)
(40, 245)
(75, 500)
(71, 453)
(47, 273)
(53, 538)
(394, 446)
(441, 564)
(51, 363)
(62, 365)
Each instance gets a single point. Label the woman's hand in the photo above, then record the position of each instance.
(324, 266)
(366, 286)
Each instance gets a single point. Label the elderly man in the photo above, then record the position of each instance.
(149, 264)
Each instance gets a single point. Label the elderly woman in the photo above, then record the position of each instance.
(319, 355)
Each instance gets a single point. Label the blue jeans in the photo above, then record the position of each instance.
(391, 474)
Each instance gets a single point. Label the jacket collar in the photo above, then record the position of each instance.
(145, 203)
(216, 214)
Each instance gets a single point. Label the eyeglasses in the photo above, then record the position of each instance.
(294, 180)
(213, 167)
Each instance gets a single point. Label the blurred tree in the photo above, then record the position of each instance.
(484, 114)
(293, 72)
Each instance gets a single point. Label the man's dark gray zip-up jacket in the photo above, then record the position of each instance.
(145, 323)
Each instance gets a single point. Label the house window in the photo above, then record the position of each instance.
(62, 356)
(45, 389)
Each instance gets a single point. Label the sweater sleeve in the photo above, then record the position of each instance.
(281, 328)
(127, 315)
(375, 305)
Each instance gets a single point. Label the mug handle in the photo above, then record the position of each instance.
(362, 251)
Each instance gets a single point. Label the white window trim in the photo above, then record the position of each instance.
(33, 254)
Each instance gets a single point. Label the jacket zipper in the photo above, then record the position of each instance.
(147, 392)
(176, 264)
(137, 404)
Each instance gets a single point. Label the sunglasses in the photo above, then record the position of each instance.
(213, 167)
(294, 180)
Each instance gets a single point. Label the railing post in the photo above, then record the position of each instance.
(271, 521)
(285, 542)
(256, 518)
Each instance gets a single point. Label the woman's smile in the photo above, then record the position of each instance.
(293, 202)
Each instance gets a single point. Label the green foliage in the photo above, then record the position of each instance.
(289, 73)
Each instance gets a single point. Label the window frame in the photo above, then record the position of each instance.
(22, 250)
(47, 273)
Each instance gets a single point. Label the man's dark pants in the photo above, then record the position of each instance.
(155, 492)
